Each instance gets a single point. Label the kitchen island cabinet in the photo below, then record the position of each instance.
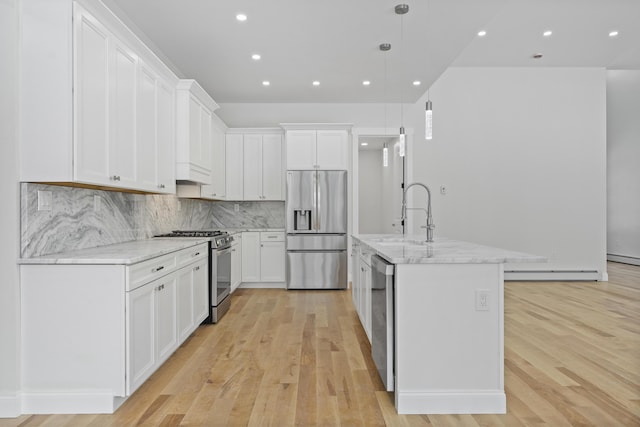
(98, 322)
(448, 323)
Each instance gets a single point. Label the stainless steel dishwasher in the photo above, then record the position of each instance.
(382, 322)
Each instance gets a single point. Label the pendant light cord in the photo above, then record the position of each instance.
(401, 69)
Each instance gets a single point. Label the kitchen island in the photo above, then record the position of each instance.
(448, 322)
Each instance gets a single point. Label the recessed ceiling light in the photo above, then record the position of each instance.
(255, 57)
(366, 83)
(536, 56)
(241, 17)
(613, 33)
(316, 83)
(266, 83)
(364, 143)
(417, 83)
(547, 33)
(482, 33)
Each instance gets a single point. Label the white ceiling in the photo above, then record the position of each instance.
(337, 42)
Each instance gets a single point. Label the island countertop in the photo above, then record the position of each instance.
(413, 249)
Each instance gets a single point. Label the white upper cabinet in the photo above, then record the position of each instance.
(234, 166)
(309, 149)
(106, 104)
(194, 143)
(217, 188)
(263, 172)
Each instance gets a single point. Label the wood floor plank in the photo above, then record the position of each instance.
(287, 358)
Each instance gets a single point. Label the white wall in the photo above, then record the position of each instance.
(370, 201)
(9, 214)
(522, 152)
(623, 165)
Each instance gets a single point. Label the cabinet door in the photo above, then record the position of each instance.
(141, 348)
(200, 275)
(166, 138)
(355, 277)
(272, 170)
(204, 157)
(251, 256)
(122, 118)
(146, 129)
(234, 173)
(252, 161)
(272, 262)
(165, 317)
(301, 150)
(366, 297)
(184, 302)
(236, 264)
(332, 150)
(91, 91)
(217, 188)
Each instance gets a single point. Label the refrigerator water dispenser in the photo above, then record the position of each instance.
(302, 219)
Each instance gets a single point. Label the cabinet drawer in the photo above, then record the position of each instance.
(189, 255)
(146, 271)
(365, 256)
(272, 236)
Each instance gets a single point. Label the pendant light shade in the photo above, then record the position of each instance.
(428, 121)
(401, 142)
(385, 156)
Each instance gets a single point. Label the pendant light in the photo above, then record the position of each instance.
(401, 9)
(385, 47)
(428, 120)
(385, 156)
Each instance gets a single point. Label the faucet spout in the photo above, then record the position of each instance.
(429, 226)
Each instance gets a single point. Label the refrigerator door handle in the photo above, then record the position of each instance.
(316, 201)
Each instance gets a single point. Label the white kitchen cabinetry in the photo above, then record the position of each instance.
(102, 121)
(263, 256)
(92, 334)
(194, 128)
(217, 190)
(236, 261)
(234, 166)
(263, 172)
(326, 149)
(361, 286)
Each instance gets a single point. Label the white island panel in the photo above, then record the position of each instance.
(449, 356)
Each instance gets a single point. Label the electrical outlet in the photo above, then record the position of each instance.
(443, 189)
(482, 299)
(45, 200)
(236, 207)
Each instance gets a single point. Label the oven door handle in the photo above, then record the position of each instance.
(224, 251)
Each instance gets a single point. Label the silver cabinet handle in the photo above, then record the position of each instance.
(115, 178)
(160, 185)
(197, 268)
(159, 288)
(196, 254)
(272, 237)
(155, 270)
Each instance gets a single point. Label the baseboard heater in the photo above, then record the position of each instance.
(623, 259)
(553, 275)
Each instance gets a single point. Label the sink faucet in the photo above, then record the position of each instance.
(430, 226)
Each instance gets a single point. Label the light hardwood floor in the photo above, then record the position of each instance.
(284, 358)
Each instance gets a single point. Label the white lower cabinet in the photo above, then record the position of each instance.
(361, 285)
(263, 255)
(92, 334)
(236, 262)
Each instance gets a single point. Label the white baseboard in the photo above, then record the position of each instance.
(478, 402)
(69, 403)
(623, 259)
(262, 285)
(10, 406)
(555, 275)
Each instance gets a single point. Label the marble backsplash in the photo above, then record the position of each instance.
(83, 218)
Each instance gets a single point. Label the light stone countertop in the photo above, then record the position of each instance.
(241, 229)
(121, 253)
(413, 249)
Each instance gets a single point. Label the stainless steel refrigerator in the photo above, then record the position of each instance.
(316, 215)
